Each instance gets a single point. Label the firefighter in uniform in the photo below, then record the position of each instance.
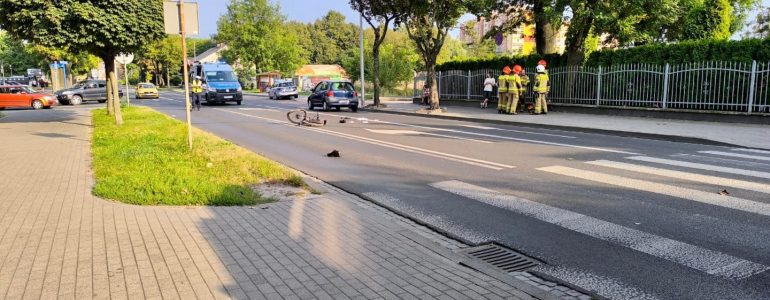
(502, 90)
(514, 90)
(197, 90)
(524, 89)
(542, 87)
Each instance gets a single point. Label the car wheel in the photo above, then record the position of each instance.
(296, 96)
(325, 106)
(239, 102)
(270, 96)
(37, 104)
(337, 108)
(310, 105)
(354, 108)
(76, 100)
(102, 101)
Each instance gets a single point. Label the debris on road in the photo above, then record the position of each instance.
(724, 193)
(334, 153)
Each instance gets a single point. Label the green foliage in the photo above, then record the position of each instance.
(760, 28)
(161, 57)
(708, 20)
(498, 63)
(685, 52)
(327, 39)
(146, 162)
(18, 56)
(398, 59)
(256, 38)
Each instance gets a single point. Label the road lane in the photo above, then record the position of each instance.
(402, 179)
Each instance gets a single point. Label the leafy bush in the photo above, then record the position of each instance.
(659, 54)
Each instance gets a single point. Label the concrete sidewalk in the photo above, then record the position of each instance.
(745, 135)
(59, 241)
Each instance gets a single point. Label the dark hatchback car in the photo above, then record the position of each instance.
(333, 94)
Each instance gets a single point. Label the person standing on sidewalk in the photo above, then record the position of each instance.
(514, 90)
(524, 89)
(489, 87)
(542, 87)
(197, 89)
(502, 90)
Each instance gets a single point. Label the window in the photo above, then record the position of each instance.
(321, 87)
(220, 76)
(342, 86)
(102, 85)
(146, 86)
(4, 91)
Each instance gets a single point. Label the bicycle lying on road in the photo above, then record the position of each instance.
(301, 118)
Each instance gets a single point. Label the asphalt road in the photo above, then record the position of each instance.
(628, 218)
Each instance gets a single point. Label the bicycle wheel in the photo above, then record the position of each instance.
(297, 116)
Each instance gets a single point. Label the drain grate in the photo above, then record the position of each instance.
(501, 258)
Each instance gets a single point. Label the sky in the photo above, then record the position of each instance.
(304, 11)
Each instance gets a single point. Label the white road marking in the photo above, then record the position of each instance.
(712, 198)
(431, 153)
(256, 109)
(718, 181)
(739, 155)
(701, 166)
(519, 131)
(705, 260)
(166, 98)
(504, 137)
(752, 151)
(412, 132)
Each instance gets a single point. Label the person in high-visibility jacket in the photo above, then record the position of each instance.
(502, 90)
(197, 90)
(523, 93)
(514, 90)
(542, 87)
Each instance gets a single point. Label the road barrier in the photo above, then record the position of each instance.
(708, 86)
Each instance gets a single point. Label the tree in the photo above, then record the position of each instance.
(256, 38)
(378, 14)
(162, 57)
(398, 60)
(334, 36)
(428, 23)
(18, 55)
(102, 28)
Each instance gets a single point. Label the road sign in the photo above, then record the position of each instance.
(124, 59)
(171, 17)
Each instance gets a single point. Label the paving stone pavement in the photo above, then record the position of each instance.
(59, 241)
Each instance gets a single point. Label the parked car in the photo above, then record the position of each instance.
(147, 91)
(283, 90)
(24, 96)
(89, 90)
(333, 94)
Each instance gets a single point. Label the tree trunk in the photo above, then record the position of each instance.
(168, 78)
(109, 66)
(434, 93)
(376, 74)
(113, 96)
(545, 32)
(579, 30)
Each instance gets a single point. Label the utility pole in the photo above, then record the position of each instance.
(186, 75)
(361, 44)
(128, 95)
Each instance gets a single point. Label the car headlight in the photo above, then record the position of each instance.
(67, 93)
(211, 89)
(239, 89)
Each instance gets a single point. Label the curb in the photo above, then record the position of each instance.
(649, 136)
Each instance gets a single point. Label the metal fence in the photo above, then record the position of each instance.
(706, 86)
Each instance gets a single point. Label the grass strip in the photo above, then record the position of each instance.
(146, 162)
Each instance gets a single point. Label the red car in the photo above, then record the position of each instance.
(24, 96)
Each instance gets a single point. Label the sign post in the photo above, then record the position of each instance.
(126, 59)
(175, 23)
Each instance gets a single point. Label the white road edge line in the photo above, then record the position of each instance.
(503, 137)
(739, 155)
(705, 260)
(412, 132)
(692, 165)
(519, 131)
(718, 181)
(431, 153)
(712, 198)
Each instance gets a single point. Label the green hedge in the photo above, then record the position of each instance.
(500, 62)
(684, 52)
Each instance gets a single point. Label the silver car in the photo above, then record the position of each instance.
(283, 90)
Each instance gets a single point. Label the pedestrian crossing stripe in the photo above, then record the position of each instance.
(752, 151)
(692, 165)
(718, 181)
(712, 198)
(698, 258)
